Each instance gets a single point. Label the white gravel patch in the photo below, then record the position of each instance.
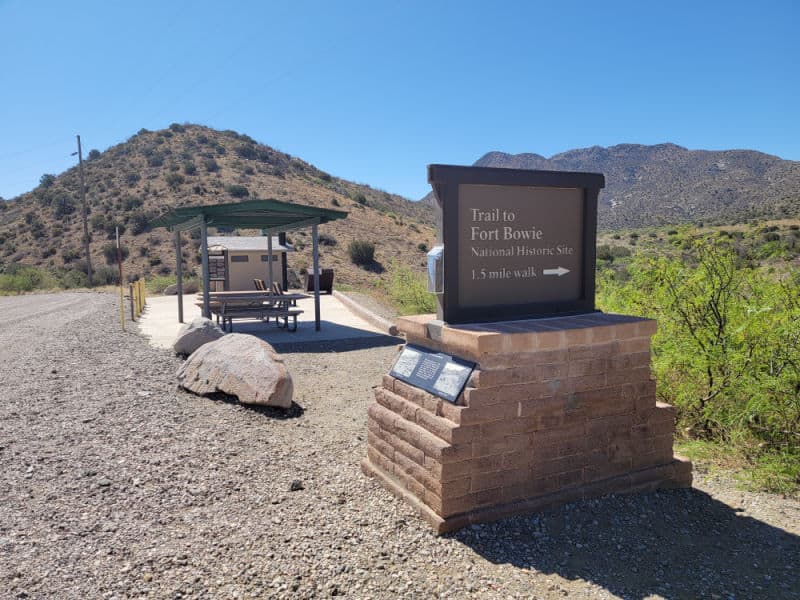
(115, 484)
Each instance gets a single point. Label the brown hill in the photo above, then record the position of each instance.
(153, 171)
(667, 184)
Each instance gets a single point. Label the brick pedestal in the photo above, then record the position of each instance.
(557, 410)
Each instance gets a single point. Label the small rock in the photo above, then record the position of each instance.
(193, 335)
(296, 486)
(104, 482)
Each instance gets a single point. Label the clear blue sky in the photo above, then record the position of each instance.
(373, 91)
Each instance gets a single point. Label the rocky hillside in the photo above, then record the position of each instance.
(154, 171)
(667, 184)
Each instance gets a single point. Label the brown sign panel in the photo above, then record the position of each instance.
(517, 243)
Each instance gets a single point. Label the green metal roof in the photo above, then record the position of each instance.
(271, 214)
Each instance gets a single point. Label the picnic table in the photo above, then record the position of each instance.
(254, 304)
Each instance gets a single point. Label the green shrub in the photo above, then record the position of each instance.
(174, 180)
(189, 168)
(611, 252)
(326, 240)
(47, 180)
(157, 284)
(131, 202)
(361, 199)
(726, 351)
(139, 222)
(237, 190)
(361, 253)
(110, 252)
(18, 279)
(111, 226)
(98, 221)
(70, 254)
(422, 247)
(73, 278)
(64, 205)
(155, 160)
(210, 165)
(246, 151)
(408, 292)
(93, 154)
(104, 275)
(771, 249)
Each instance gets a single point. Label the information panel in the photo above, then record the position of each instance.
(516, 243)
(440, 374)
(519, 244)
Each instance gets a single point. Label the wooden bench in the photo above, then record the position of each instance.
(265, 313)
(226, 306)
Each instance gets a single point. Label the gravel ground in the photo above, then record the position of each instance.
(116, 484)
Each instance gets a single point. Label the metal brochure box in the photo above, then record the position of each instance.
(436, 270)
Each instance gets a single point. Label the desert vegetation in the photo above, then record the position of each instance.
(727, 351)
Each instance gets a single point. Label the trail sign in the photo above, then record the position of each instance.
(517, 243)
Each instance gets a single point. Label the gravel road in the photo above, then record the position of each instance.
(115, 484)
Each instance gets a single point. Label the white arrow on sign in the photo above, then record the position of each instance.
(559, 271)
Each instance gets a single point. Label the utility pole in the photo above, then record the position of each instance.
(85, 223)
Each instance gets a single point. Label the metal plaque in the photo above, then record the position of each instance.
(440, 374)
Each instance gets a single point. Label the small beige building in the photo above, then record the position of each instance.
(234, 261)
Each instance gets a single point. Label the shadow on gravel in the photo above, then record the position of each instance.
(281, 414)
(674, 544)
(346, 345)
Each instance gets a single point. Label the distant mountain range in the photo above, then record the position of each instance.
(666, 184)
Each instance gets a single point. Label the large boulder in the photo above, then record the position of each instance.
(239, 365)
(189, 287)
(195, 334)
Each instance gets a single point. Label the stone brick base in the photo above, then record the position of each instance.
(557, 410)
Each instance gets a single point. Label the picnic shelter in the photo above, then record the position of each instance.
(270, 216)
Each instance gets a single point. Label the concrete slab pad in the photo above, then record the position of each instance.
(159, 322)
